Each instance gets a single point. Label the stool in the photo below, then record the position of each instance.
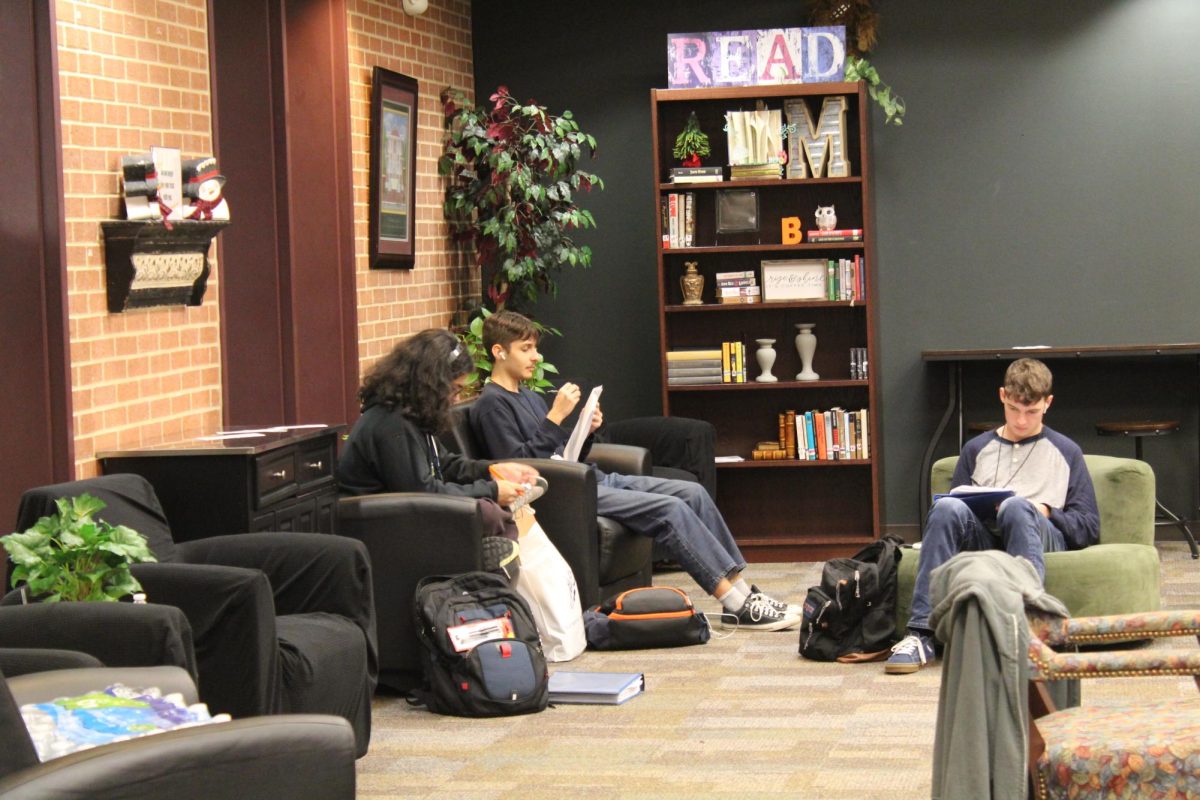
(1138, 431)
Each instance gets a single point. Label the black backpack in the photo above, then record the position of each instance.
(483, 656)
(849, 616)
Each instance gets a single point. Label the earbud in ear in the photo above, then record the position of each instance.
(503, 356)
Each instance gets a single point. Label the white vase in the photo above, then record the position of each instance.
(806, 346)
(766, 359)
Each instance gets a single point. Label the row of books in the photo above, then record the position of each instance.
(846, 279)
(738, 287)
(771, 170)
(834, 434)
(700, 367)
(678, 219)
(858, 363)
(839, 235)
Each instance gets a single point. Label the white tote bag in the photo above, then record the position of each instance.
(548, 585)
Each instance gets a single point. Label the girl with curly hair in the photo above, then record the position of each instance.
(406, 401)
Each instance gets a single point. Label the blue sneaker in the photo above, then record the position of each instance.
(910, 654)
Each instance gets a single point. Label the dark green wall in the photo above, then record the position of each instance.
(1042, 191)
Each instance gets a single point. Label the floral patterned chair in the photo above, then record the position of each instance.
(1124, 750)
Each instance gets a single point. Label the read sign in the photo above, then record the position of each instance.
(750, 58)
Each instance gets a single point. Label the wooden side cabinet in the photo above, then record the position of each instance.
(279, 481)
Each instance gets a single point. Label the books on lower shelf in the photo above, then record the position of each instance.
(737, 287)
(846, 279)
(679, 220)
(858, 364)
(601, 688)
(833, 434)
(695, 367)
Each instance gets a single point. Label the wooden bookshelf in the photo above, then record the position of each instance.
(785, 509)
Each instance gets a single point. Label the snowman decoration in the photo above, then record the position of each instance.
(202, 186)
(140, 187)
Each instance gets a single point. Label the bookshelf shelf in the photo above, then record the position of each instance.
(787, 509)
(755, 386)
(760, 307)
(791, 463)
(763, 248)
(782, 183)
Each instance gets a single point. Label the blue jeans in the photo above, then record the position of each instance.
(952, 528)
(681, 515)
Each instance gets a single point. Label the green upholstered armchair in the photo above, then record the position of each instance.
(1117, 576)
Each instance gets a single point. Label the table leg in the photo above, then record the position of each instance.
(953, 402)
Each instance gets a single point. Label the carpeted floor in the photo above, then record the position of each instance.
(740, 717)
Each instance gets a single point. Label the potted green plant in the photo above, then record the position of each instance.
(692, 143)
(514, 173)
(73, 556)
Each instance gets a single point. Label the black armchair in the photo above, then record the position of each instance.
(411, 535)
(282, 622)
(303, 756)
(680, 447)
(605, 556)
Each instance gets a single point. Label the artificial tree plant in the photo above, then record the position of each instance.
(514, 174)
(692, 143)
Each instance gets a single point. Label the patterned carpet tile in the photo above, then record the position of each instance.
(743, 716)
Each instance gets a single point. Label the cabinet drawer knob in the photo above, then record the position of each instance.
(316, 465)
(281, 474)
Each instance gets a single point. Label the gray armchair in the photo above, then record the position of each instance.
(295, 756)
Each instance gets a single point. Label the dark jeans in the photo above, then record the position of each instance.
(952, 528)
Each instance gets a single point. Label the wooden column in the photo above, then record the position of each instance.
(36, 444)
(286, 264)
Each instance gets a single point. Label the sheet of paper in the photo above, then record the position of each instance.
(220, 437)
(583, 426)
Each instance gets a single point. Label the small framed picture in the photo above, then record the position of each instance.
(737, 211)
(393, 170)
(793, 279)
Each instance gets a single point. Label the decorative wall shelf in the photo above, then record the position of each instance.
(149, 264)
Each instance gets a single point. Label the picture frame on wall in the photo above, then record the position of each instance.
(393, 172)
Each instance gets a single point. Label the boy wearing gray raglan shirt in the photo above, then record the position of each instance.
(1053, 508)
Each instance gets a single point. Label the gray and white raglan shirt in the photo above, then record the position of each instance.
(1046, 468)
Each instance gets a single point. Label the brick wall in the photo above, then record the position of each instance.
(435, 49)
(132, 73)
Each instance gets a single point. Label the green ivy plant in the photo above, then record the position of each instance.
(514, 173)
(472, 337)
(73, 556)
(859, 69)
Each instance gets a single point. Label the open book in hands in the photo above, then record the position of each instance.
(983, 500)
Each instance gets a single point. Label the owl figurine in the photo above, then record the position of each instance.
(826, 218)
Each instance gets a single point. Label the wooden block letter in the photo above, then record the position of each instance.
(791, 230)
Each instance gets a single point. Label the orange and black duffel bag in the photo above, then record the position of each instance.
(653, 616)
